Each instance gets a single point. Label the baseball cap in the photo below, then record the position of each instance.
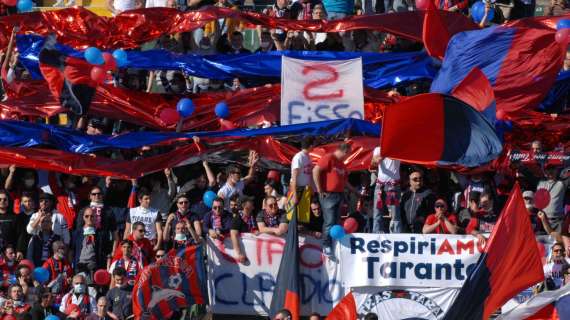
(528, 194)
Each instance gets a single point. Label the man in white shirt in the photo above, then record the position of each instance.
(235, 184)
(302, 170)
(386, 193)
(83, 303)
(150, 217)
(59, 225)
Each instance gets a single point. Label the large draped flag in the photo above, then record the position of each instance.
(435, 34)
(509, 264)
(68, 78)
(547, 305)
(170, 285)
(521, 60)
(287, 294)
(435, 129)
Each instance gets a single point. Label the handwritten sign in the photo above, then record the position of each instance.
(320, 90)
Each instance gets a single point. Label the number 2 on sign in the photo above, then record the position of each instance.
(332, 77)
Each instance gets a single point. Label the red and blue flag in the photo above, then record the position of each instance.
(286, 294)
(509, 264)
(436, 129)
(171, 285)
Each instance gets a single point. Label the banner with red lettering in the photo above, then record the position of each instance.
(407, 260)
(247, 289)
(321, 90)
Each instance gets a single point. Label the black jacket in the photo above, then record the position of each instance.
(414, 208)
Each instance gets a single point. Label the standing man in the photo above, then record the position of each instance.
(386, 193)
(417, 203)
(301, 173)
(556, 187)
(149, 217)
(330, 176)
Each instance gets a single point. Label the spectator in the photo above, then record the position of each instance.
(330, 176)
(183, 217)
(218, 222)
(101, 313)
(118, 6)
(466, 214)
(103, 221)
(416, 203)
(17, 300)
(44, 308)
(485, 219)
(315, 225)
(196, 188)
(24, 279)
(283, 314)
(7, 266)
(557, 8)
(59, 269)
(296, 41)
(270, 189)
(127, 262)
(234, 184)
(386, 194)
(149, 217)
(28, 182)
(528, 197)
(120, 295)
(556, 268)
(272, 220)
(142, 248)
(161, 197)
(244, 222)
(7, 221)
(236, 44)
(78, 302)
(234, 205)
(266, 42)
(47, 211)
(89, 254)
(557, 190)
(301, 171)
(40, 248)
(27, 208)
(442, 221)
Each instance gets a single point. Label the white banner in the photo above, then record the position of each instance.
(411, 260)
(404, 303)
(320, 90)
(247, 289)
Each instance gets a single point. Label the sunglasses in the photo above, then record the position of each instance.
(183, 202)
(440, 206)
(140, 230)
(272, 205)
(417, 179)
(558, 250)
(88, 216)
(96, 193)
(159, 255)
(217, 208)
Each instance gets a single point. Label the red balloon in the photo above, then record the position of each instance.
(422, 4)
(500, 115)
(562, 36)
(28, 263)
(98, 74)
(350, 225)
(9, 317)
(226, 125)
(11, 3)
(110, 63)
(169, 116)
(541, 199)
(102, 277)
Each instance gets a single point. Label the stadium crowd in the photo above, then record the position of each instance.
(76, 226)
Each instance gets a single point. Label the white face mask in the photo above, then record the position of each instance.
(29, 183)
(529, 206)
(89, 231)
(205, 46)
(180, 237)
(79, 288)
(18, 303)
(58, 256)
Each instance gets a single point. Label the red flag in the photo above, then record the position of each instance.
(475, 90)
(345, 309)
(511, 263)
(435, 34)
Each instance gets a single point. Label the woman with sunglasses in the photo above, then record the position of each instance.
(442, 221)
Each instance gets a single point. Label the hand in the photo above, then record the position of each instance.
(253, 157)
(241, 258)
(541, 215)
(196, 139)
(134, 182)
(12, 168)
(290, 34)
(19, 256)
(438, 215)
(170, 218)
(156, 248)
(317, 234)
(108, 181)
(481, 239)
(213, 234)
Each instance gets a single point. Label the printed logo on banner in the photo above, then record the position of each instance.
(406, 304)
(321, 90)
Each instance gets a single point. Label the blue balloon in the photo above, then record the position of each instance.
(25, 5)
(12, 279)
(94, 56)
(120, 56)
(41, 275)
(185, 107)
(222, 110)
(337, 232)
(478, 12)
(208, 198)
(563, 24)
(51, 317)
